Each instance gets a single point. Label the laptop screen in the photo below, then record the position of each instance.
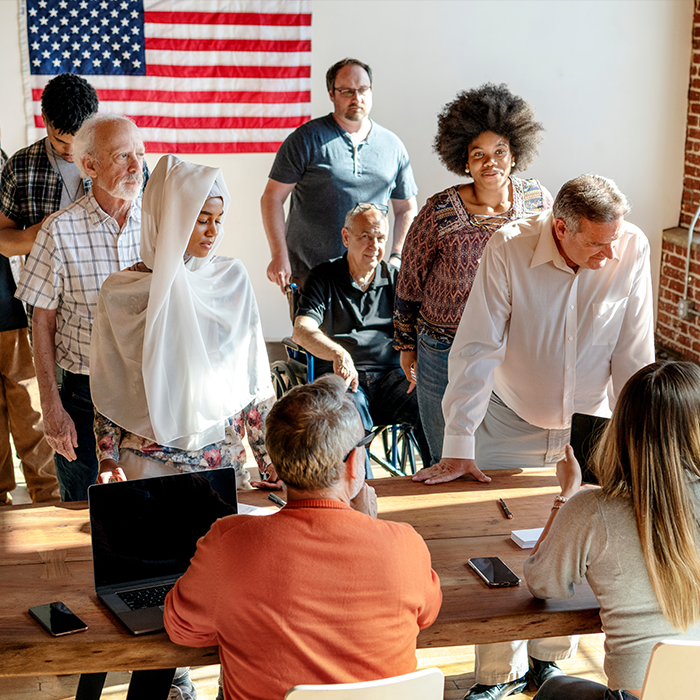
(147, 529)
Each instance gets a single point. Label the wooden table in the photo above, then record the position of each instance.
(45, 556)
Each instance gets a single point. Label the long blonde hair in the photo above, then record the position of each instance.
(647, 452)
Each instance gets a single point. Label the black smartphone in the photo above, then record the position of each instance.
(494, 571)
(585, 433)
(57, 619)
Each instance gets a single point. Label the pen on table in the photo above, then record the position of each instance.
(504, 507)
(276, 499)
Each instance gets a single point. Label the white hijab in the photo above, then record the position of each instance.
(178, 351)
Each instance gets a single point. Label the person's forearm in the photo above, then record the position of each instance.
(403, 218)
(317, 343)
(273, 222)
(17, 241)
(44, 338)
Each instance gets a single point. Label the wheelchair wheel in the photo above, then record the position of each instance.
(283, 378)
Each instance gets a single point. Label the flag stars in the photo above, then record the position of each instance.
(73, 13)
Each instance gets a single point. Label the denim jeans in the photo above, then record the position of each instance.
(431, 382)
(572, 688)
(381, 399)
(75, 477)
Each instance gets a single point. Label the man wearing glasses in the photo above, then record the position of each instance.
(344, 319)
(327, 165)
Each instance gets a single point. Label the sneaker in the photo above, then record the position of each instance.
(498, 691)
(182, 688)
(541, 671)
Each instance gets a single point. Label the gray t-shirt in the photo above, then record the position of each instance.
(332, 175)
(597, 538)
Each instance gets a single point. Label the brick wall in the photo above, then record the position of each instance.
(682, 336)
(691, 179)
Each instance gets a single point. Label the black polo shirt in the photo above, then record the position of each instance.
(360, 322)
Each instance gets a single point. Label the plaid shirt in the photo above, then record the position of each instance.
(3, 158)
(75, 251)
(31, 188)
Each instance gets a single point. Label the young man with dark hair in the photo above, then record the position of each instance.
(42, 178)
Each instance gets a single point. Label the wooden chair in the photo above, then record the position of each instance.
(673, 671)
(428, 684)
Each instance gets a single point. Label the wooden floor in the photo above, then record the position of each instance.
(457, 663)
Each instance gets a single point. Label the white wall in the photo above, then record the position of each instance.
(608, 79)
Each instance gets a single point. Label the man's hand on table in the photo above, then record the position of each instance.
(449, 469)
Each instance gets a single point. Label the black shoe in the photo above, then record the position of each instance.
(498, 691)
(542, 671)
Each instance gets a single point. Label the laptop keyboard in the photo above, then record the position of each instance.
(146, 597)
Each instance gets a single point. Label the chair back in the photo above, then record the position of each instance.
(673, 671)
(428, 684)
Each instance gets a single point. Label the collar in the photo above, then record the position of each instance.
(380, 279)
(546, 249)
(329, 503)
(346, 135)
(98, 216)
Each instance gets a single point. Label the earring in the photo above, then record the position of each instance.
(466, 169)
(512, 165)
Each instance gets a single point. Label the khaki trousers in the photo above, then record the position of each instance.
(20, 414)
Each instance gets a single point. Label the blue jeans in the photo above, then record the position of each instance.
(431, 382)
(381, 399)
(572, 688)
(75, 477)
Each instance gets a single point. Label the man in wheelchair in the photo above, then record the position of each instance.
(345, 320)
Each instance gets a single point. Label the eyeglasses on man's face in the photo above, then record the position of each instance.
(365, 442)
(350, 92)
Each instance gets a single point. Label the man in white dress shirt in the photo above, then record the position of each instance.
(559, 317)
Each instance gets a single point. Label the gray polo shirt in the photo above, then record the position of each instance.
(332, 175)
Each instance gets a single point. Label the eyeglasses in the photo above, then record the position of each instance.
(350, 92)
(365, 442)
(366, 206)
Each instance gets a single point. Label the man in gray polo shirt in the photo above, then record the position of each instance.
(328, 165)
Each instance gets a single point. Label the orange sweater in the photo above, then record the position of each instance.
(316, 593)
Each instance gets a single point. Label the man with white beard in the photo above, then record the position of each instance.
(76, 249)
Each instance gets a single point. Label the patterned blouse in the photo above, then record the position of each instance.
(229, 453)
(441, 255)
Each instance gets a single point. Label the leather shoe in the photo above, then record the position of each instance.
(542, 671)
(498, 691)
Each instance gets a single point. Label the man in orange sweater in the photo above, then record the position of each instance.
(321, 591)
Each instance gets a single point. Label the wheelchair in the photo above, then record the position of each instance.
(398, 444)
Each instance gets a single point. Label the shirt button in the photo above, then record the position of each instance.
(570, 338)
(571, 307)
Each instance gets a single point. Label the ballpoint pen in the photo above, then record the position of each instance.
(276, 499)
(504, 507)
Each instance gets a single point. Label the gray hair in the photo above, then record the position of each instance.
(85, 143)
(361, 207)
(310, 430)
(592, 197)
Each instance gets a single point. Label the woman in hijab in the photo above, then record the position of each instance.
(178, 361)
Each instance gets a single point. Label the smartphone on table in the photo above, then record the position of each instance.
(57, 619)
(494, 572)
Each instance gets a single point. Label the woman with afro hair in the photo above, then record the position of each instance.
(486, 134)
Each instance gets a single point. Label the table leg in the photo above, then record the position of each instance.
(90, 686)
(150, 685)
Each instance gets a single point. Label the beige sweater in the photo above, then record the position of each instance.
(597, 538)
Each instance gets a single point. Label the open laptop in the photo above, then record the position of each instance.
(144, 533)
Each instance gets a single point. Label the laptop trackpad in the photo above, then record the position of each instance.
(144, 621)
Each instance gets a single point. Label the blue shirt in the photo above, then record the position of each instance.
(332, 175)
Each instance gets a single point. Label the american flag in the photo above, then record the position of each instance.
(196, 76)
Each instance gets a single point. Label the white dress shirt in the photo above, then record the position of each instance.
(75, 251)
(547, 340)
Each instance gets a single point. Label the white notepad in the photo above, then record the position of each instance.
(526, 539)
